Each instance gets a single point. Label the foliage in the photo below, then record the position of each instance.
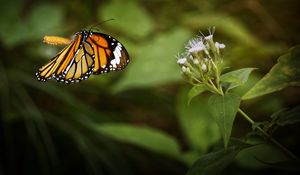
(285, 73)
(223, 110)
(126, 22)
(214, 162)
(236, 78)
(201, 65)
(145, 137)
(149, 65)
(201, 133)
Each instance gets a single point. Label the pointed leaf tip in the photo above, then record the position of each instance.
(283, 74)
(223, 110)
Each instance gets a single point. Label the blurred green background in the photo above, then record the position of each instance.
(136, 121)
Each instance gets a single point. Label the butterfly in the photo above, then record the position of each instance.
(88, 53)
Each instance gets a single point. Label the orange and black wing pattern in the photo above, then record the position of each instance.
(109, 54)
(88, 53)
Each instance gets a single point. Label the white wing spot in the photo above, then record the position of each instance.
(117, 55)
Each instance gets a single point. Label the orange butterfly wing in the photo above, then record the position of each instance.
(73, 64)
(110, 54)
(89, 53)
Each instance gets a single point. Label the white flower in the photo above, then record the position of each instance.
(211, 31)
(209, 37)
(195, 45)
(204, 67)
(220, 45)
(181, 61)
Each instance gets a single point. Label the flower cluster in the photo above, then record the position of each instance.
(202, 61)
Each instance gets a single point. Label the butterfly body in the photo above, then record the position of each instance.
(88, 53)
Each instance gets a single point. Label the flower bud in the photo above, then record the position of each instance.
(181, 61)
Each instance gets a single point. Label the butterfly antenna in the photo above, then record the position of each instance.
(94, 26)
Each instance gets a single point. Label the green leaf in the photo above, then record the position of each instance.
(11, 22)
(154, 63)
(45, 18)
(214, 162)
(237, 77)
(223, 110)
(196, 90)
(130, 17)
(189, 157)
(42, 19)
(285, 73)
(199, 128)
(286, 117)
(145, 137)
(254, 157)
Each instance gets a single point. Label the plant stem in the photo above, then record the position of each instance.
(217, 73)
(211, 84)
(284, 149)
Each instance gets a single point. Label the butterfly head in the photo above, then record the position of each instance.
(84, 33)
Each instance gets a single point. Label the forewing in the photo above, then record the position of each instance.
(109, 53)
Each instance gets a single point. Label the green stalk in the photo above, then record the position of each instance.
(217, 73)
(281, 147)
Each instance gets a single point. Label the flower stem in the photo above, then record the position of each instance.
(217, 73)
(217, 90)
(284, 149)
